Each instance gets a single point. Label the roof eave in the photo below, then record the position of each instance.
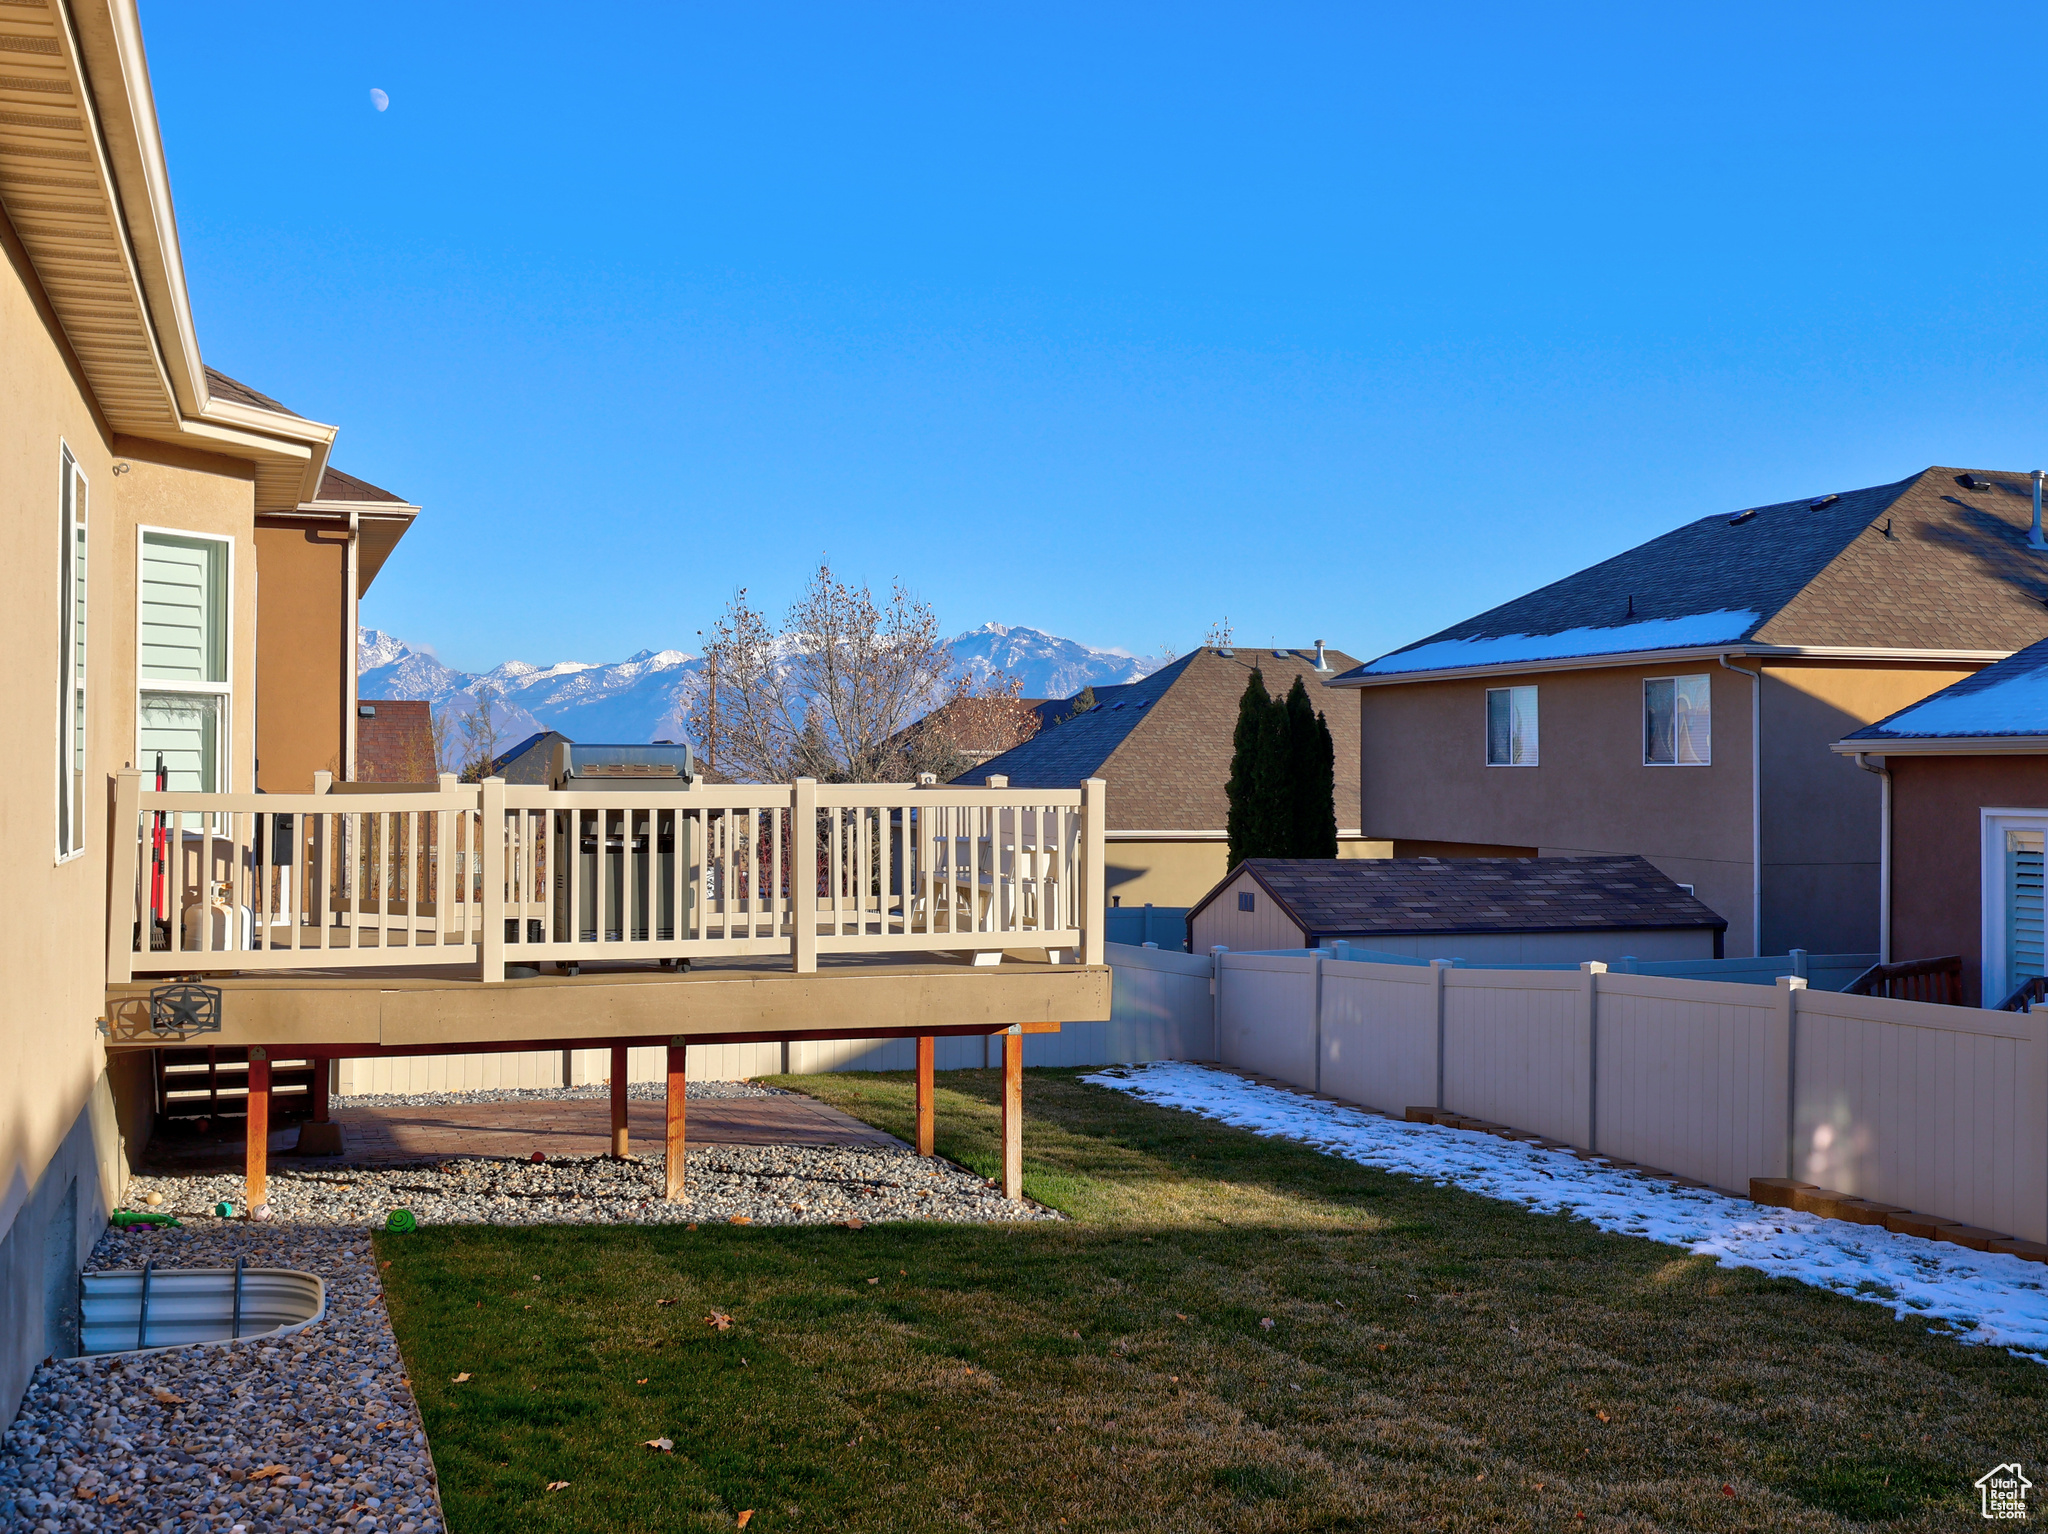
(1669, 657)
(1946, 745)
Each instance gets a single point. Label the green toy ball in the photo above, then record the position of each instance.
(401, 1221)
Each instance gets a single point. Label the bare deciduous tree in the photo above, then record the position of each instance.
(480, 735)
(827, 696)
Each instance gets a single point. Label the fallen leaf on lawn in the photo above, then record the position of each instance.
(741, 1219)
(383, 1265)
(874, 1280)
(1539, 1486)
(905, 1273)
(1727, 1490)
(556, 1485)
(668, 1302)
(458, 1379)
(718, 1320)
(1266, 1322)
(853, 1225)
(691, 1226)
(1381, 1346)
(741, 1521)
(169, 1398)
(1601, 1415)
(1178, 1316)
(660, 1445)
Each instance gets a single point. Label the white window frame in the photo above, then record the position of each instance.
(73, 631)
(1991, 894)
(1644, 715)
(224, 767)
(1486, 725)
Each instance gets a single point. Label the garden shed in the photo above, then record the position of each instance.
(1490, 910)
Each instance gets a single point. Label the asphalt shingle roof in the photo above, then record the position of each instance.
(1364, 897)
(1163, 743)
(1927, 563)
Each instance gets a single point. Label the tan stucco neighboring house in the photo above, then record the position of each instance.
(1163, 745)
(1678, 701)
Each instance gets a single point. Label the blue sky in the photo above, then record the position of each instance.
(1344, 322)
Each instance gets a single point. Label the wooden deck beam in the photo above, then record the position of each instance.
(927, 1050)
(1013, 1115)
(621, 1069)
(256, 1132)
(678, 1053)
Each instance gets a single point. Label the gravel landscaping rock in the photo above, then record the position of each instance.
(757, 1184)
(98, 1445)
(637, 1091)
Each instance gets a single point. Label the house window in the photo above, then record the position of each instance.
(1244, 900)
(1678, 721)
(71, 553)
(183, 696)
(1511, 727)
(2023, 910)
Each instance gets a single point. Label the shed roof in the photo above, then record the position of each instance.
(1365, 897)
(1163, 743)
(1931, 562)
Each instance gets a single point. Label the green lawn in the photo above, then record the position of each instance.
(1435, 1360)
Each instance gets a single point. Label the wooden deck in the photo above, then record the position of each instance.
(449, 1010)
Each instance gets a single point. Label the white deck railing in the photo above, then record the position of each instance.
(489, 874)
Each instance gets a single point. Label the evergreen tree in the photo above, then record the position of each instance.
(1272, 774)
(1245, 826)
(1299, 812)
(1320, 835)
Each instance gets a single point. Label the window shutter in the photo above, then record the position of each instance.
(2023, 908)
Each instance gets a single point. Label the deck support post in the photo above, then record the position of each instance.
(323, 1069)
(1013, 1113)
(927, 1048)
(621, 1069)
(256, 1145)
(678, 1054)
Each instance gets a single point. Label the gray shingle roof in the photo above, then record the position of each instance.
(1366, 897)
(1926, 563)
(240, 393)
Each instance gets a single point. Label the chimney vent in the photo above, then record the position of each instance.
(1321, 663)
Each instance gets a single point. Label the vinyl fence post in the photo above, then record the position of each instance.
(125, 923)
(1436, 970)
(1216, 996)
(1589, 1022)
(1318, 1077)
(491, 833)
(1781, 1082)
(803, 877)
(1095, 889)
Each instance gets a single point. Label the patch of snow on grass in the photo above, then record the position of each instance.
(1986, 1297)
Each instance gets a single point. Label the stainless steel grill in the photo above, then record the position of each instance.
(631, 850)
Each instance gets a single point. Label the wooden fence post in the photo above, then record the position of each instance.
(803, 877)
(678, 1060)
(256, 1131)
(124, 910)
(491, 836)
(1013, 1112)
(1094, 884)
(927, 1047)
(1589, 1045)
(621, 1069)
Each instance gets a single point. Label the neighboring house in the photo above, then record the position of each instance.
(1964, 821)
(1678, 700)
(1163, 745)
(1505, 910)
(395, 741)
(532, 760)
(971, 729)
(140, 493)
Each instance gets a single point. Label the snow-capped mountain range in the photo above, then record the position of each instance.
(647, 695)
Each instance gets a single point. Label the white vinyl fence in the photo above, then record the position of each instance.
(1940, 1109)
(1161, 1009)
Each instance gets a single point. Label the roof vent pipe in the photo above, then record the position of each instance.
(2034, 537)
(1321, 663)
